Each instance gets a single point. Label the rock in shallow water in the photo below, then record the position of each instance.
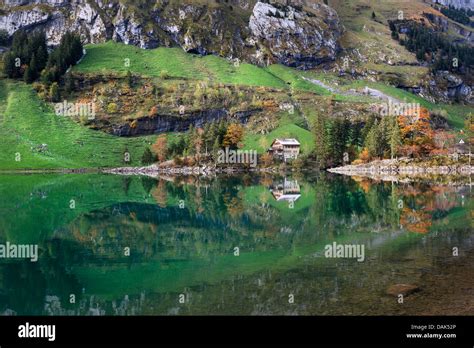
(402, 289)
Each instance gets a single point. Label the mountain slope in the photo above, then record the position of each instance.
(257, 32)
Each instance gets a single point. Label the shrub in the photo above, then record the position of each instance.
(178, 161)
(112, 108)
(164, 75)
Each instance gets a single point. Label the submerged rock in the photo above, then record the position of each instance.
(402, 289)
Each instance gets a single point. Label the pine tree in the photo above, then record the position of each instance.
(3, 37)
(28, 75)
(367, 127)
(54, 93)
(148, 157)
(321, 139)
(395, 138)
(41, 58)
(9, 65)
(215, 148)
(338, 135)
(31, 73)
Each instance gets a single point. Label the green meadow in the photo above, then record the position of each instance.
(27, 122)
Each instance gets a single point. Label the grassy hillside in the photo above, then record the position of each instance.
(27, 123)
(112, 57)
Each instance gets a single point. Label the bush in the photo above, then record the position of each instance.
(54, 93)
(112, 108)
(178, 160)
(164, 75)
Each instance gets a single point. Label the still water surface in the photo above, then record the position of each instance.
(113, 245)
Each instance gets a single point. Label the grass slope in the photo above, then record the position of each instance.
(111, 57)
(26, 123)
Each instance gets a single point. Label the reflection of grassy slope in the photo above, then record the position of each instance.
(456, 218)
(35, 206)
(164, 275)
(27, 123)
(174, 275)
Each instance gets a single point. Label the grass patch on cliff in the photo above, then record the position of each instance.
(27, 123)
(111, 57)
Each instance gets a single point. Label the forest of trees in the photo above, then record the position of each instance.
(30, 59)
(459, 15)
(433, 47)
(195, 143)
(340, 142)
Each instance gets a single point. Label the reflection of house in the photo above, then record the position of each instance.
(288, 191)
(285, 149)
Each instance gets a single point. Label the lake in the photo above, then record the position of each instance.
(315, 244)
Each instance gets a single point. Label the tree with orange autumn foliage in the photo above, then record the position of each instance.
(416, 132)
(267, 159)
(233, 136)
(160, 194)
(417, 221)
(364, 155)
(160, 148)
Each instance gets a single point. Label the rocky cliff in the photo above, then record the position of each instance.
(302, 35)
(466, 4)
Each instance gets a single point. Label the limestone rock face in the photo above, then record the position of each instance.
(301, 35)
(296, 37)
(447, 86)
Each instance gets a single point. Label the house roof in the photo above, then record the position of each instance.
(290, 141)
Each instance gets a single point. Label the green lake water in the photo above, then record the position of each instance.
(248, 245)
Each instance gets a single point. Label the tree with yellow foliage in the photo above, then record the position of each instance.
(233, 136)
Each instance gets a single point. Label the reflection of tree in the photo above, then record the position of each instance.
(159, 193)
(148, 183)
(126, 184)
(416, 221)
(363, 183)
(234, 205)
(198, 201)
(421, 203)
(266, 180)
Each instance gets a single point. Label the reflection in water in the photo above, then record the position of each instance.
(182, 235)
(288, 190)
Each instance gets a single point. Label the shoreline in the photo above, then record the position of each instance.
(399, 170)
(385, 170)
